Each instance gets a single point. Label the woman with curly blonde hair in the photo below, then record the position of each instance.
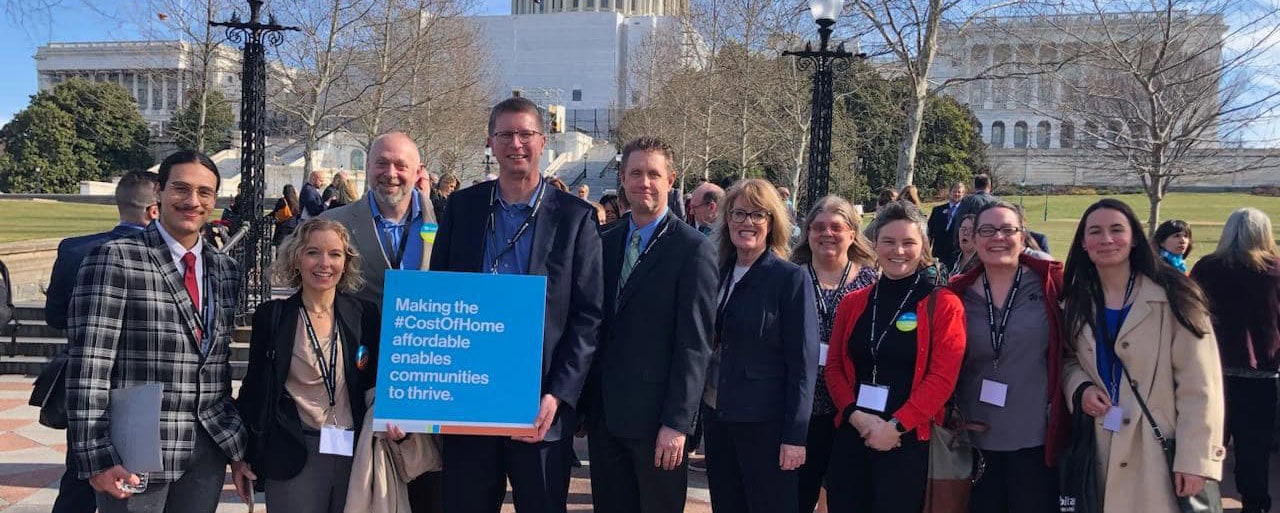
(329, 341)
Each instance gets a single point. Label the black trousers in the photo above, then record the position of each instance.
(426, 493)
(817, 457)
(476, 470)
(1251, 417)
(864, 480)
(624, 479)
(1016, 482)
(74, 495)
(742, 468)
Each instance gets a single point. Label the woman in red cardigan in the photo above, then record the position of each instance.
(1012, 372)
(895, 351)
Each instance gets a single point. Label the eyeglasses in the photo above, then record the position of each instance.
(836, 227)
(756, 216)
(988, 231)
(506, 137)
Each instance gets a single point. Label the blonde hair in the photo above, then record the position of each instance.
(1247, 241)
(284, 270)
(762, 195)
(859, 250)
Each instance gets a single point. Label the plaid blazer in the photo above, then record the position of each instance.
(131, 323)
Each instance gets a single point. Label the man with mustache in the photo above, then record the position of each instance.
(393, 227)
(158, 307)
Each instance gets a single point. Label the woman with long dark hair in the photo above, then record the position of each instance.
(839, 261)
(286, 214)
(1242, 281)
(1135, 324)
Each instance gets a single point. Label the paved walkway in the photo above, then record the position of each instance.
(31, 463)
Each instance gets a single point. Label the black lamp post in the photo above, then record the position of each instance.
(254, 254)
(824, 62)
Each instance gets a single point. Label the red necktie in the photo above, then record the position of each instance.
(193, 289)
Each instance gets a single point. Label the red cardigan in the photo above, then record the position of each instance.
(1050, 272)
(931, 387)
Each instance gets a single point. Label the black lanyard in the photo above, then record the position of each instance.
(395, 258)
(328, 373)
(493, 225)
(998, 332)
(875, 306)
(824, 308)
(1109, 336)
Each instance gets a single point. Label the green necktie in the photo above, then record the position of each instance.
(630, 259)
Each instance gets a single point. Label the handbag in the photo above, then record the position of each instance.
(955, 464)
(1077, 466)
(50, 392)
(1209, 500)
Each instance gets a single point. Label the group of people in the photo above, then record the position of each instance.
(820, 364)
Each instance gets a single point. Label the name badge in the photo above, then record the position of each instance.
(993, 392)
(873, 397)
(1112, 421)
(822, 354)
(337, 441)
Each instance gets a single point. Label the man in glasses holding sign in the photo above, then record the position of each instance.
(516, 225)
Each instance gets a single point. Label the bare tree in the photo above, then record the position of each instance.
(1157, 93)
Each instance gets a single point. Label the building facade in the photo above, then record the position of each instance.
(158, 74)
(623, 7)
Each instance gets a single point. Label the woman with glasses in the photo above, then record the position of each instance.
(1136, 325)
(839, 261)
(759, 388)
(1012, 367)
(896, 348)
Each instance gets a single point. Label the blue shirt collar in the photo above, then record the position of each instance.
(138, 227)
(648, 227)
(532, 199)
(415, 209)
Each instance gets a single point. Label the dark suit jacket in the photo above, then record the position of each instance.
(939, 235)
(310, 200)
(133, 323)
(270, 356)
(656, 337)
(566, 249)
(71, 253)
(769, 348)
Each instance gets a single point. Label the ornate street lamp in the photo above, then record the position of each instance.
(254, 255)
(824, 62)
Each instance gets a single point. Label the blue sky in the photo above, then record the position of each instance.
(76, 22)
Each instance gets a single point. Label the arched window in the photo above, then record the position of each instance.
(1020, 134)
(1115, 130)
(1042, 135)
(1090, 138)
(997, 134)
(977, 127)
(357, 160)
(1067, 135)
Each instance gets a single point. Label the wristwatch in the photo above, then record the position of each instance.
(897, 426)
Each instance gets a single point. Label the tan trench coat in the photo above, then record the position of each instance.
(1180, 378)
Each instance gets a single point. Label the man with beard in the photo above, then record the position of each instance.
(393, 228)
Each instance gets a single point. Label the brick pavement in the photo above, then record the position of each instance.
(31, 463)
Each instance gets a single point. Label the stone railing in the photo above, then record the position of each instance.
(30, 262)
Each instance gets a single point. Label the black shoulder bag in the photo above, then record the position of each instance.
(1077, 466)
(1209, 500)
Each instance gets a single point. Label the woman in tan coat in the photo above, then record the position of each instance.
(1134, 323)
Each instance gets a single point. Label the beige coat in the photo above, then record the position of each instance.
(1180, 378)
(381, 469)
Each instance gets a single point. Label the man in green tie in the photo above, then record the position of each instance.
(660, 281)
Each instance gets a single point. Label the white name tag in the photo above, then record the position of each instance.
(337, 441)
(822, 354)
(1111, 422)
(873, 397)
(993, 392)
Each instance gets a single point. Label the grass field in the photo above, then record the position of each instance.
(37, 219)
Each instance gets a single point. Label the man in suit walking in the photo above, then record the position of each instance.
(660, 284)
(519, 225)
(393, 227)
(136, 203)
(940, 221)
(311, 200)
(158, 308)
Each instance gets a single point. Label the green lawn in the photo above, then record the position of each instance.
(1206, 212)
(43, 219)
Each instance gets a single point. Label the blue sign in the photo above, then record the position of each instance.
(461, 353)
